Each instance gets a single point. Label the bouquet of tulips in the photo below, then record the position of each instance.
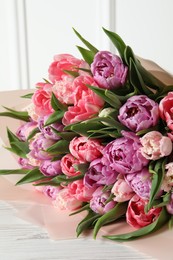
(97, 137)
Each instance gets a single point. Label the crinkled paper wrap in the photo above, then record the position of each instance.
(37, 209)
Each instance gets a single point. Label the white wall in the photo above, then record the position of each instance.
(36, 30)
(33, 31)
(147, 27)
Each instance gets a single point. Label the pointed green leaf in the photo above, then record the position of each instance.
(83, 127)
(60, 147)
(136, 79)
(28, 95)
(56, 104)
(21, 115)
(87, 222)
(117, 41)
(54, 118)
(33, 133)
(32, 176)
(88, 45)
(107, 96)
(12, 137)
(110, 216)
(157, 224)
(72, 73)
(14, 171)
(56, 181)
(170, 223)
(68, 136)
(18, 147)
(82, 167)
(85, 207)
(166, 199)
(65, 180)
(128, 54)
(87, 55)
(149, 79)
(16, 151)
(22, 146)
(47, 81)
(157, 179)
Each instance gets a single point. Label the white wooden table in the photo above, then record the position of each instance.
(20, 240)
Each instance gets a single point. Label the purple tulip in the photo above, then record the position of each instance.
(24, 163)
(51, 168)
(108, 70)
(24, 130)
(47, 130)
(139, 113)
(99, 174)
(38, 147)
(51, 191)
(99, 203)
(140, 183)
(123, 154)
(169, 206)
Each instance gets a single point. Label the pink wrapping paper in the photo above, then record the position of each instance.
(37, 209)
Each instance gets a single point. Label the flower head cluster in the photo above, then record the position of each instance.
(98, 137)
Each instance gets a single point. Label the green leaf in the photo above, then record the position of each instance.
(14, 171)
(54, 118)
(87, 222)
(82, 128)
(12, 137)
(157, 179)
(72, 73)
(82, 167)
(47, 81)
(88, 45)
(170, 223)
(28, 95)
(16, 151)
(136, 79)
(107, 96)
(21, 115)
(33, 133)
(85, 207)
(142, 132)
(128, 54)
(32, 176)
(65, 180)
(166, 199)
(60, 147)
(117, 41)
(18, 147)
(162, 93)
(22, 146)
(68, 136)
(56, 104)
(157, 224)
(87, 55)
(149, 79)
(52, 182)
(110, 216)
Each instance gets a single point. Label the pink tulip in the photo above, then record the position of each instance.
(42, 99)
(136, 216)
(122, 191)
(66, 201)
(155, 145)
(64, 62)
(85, 149)
(166, 109)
